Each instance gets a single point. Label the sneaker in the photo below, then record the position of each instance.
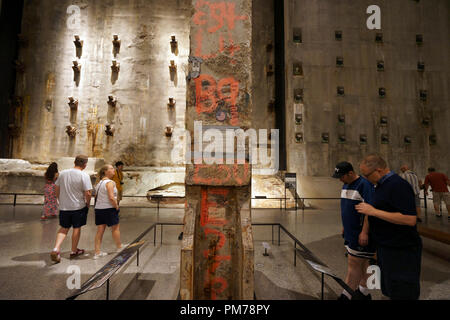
(360, 296)
(55, 256)
(439, 215)
(100, 255)
(76, 254)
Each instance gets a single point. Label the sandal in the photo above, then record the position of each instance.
(76, 254)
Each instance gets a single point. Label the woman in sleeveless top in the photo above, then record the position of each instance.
(106, 209)
(50, 198)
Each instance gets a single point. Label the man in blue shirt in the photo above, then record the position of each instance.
(356, 189)
(392, 221)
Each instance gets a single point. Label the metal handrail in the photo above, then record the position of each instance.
(124, 196)
(15, 194)
(117, 263)
(281, 200)
(304, 198)
(150, 198)
(86, 287)
(309, 254)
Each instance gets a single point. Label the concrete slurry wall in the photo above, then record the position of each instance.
(401, 20)
(263, 57)
(142, 87)
(22, 177)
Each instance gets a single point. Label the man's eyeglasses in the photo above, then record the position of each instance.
(368, 175)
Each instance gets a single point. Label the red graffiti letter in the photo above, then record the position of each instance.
(205, 93)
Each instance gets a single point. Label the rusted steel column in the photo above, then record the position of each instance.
(217, 252)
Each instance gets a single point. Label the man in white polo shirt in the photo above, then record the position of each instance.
(73, 189)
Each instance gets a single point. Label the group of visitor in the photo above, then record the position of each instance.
(70, 193)
(380, 211)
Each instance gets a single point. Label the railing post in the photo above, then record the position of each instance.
(137, 258)
(15, 198)
(279, 233)
(272, 234)
(322, 284)
(107, 289)
(154, 235)
(295, 254)
(161, 233)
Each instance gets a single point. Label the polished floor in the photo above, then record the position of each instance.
(26, 271)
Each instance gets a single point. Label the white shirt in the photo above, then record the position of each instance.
(103, 201)
(73, 183)
(411, 177)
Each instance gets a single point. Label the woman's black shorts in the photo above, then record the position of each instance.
(109, 216)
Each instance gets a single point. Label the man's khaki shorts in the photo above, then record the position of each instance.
(438, 197)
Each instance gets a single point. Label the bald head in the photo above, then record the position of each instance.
(404, 168)
(373, 168)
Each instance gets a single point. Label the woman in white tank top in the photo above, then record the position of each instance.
(106, 209)
(104, 200)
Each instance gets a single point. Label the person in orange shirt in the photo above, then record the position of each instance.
(118, 179)
(439, 183)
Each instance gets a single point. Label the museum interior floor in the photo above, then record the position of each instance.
(26, 271)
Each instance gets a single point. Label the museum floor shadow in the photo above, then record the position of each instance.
(137, 289)
(265, 289)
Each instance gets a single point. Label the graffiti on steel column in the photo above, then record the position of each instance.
(216, 26)
(212, 222)
(216, 22)
(211, 96)
(216, 17)
(221, 174)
